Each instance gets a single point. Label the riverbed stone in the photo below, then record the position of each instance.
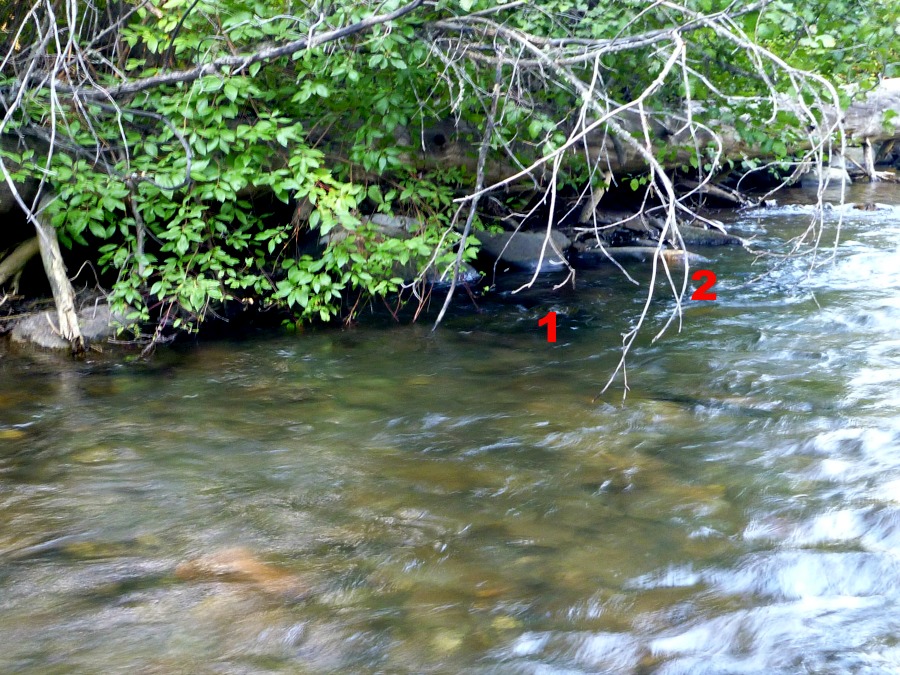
(96, 323)
(523, 249)
(240, 565)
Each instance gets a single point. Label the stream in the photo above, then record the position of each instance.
(385, 499)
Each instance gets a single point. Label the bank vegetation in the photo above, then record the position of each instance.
(210, 157)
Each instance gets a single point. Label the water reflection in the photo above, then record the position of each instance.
(388, 500)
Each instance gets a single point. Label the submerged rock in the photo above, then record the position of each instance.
(240, 565)
(523, 249)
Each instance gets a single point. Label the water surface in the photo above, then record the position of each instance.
(386, 499)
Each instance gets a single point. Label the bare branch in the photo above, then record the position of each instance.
(234, 64)
(479, 181)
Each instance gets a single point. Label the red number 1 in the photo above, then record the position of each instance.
(550, 321)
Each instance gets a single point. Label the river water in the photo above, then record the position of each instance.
(388, 500)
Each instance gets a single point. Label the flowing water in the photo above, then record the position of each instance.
(389, 500)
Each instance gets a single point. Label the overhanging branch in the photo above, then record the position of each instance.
(241, 61)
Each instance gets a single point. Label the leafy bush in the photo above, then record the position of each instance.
(174, 124)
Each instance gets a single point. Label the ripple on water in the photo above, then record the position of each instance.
(803, 636)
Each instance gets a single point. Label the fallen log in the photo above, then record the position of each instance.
(863, 123)
(15, 261)
(720, 192)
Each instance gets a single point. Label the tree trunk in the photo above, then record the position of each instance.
(63, 293)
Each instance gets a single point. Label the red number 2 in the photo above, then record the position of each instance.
(703, 293)
(550, 321)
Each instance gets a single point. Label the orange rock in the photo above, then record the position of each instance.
(240, 565)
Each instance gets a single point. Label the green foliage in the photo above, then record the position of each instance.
(849, 41)
(205, 241)
(170, 188)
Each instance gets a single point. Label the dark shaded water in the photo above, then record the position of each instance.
(388, 500)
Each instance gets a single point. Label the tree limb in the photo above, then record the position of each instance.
(479, 183)
(238, 63)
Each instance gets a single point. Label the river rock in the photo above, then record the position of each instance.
(700, 236)
(240, 565)
(593, 257)
(523, 249)
(96, 323)
(398, 227)
(832, 177)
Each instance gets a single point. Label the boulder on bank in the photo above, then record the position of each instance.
(467, 275)
(399, 227)
(524, 249)
(831, 176)
(40, 329)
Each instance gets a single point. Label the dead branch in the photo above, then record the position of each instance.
(63, 293)
(479, 181)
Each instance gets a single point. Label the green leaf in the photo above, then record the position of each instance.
(211, 83)
(282, 136)
(97, 229)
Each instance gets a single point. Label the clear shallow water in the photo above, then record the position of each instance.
(388, 500)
